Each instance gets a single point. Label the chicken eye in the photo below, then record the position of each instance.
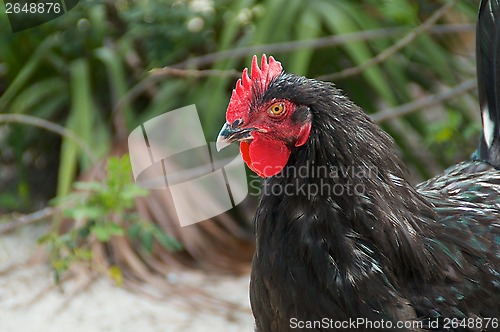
(276, 109)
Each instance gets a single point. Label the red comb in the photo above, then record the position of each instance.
(242, 94)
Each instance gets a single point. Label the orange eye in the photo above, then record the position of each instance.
(276, 109)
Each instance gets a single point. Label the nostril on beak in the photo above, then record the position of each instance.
(223, 137)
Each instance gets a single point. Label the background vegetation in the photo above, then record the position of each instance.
(107, 66)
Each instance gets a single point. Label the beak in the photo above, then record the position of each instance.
(231, 133)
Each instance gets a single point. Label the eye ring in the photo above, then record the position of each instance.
(276, 109)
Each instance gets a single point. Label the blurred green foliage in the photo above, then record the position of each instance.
(75, 69)
(100, 211)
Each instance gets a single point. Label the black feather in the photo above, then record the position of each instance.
(488, 77)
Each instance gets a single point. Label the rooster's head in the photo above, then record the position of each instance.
(265, 118)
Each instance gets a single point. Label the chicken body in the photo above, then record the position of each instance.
(343, 240)
(383, 251)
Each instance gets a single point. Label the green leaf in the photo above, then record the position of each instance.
(90, 186)
(46, 238)
(32, 96)
(81, 212)
(27, 71)
(80, 122)
(341, 18)
(104, 232)
(117, 78)
(131, 191)
(146, 238)
(308, 28)
(83, 254)
(168, 242)
(115, 229)
(134, 230)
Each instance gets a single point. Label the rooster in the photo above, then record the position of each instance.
(343, 240)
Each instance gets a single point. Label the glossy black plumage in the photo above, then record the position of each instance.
(388, 251)
(488, 72)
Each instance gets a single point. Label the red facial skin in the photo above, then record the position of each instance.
(273, 139)
(273, 135)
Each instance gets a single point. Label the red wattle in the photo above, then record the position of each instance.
(265, 157)
(244, 147)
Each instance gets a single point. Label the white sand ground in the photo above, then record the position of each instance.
(29, 303)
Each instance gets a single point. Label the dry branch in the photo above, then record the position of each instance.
(317, 43)
(387, 53)
(424, 102)
(50, 126)
(27, 219)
